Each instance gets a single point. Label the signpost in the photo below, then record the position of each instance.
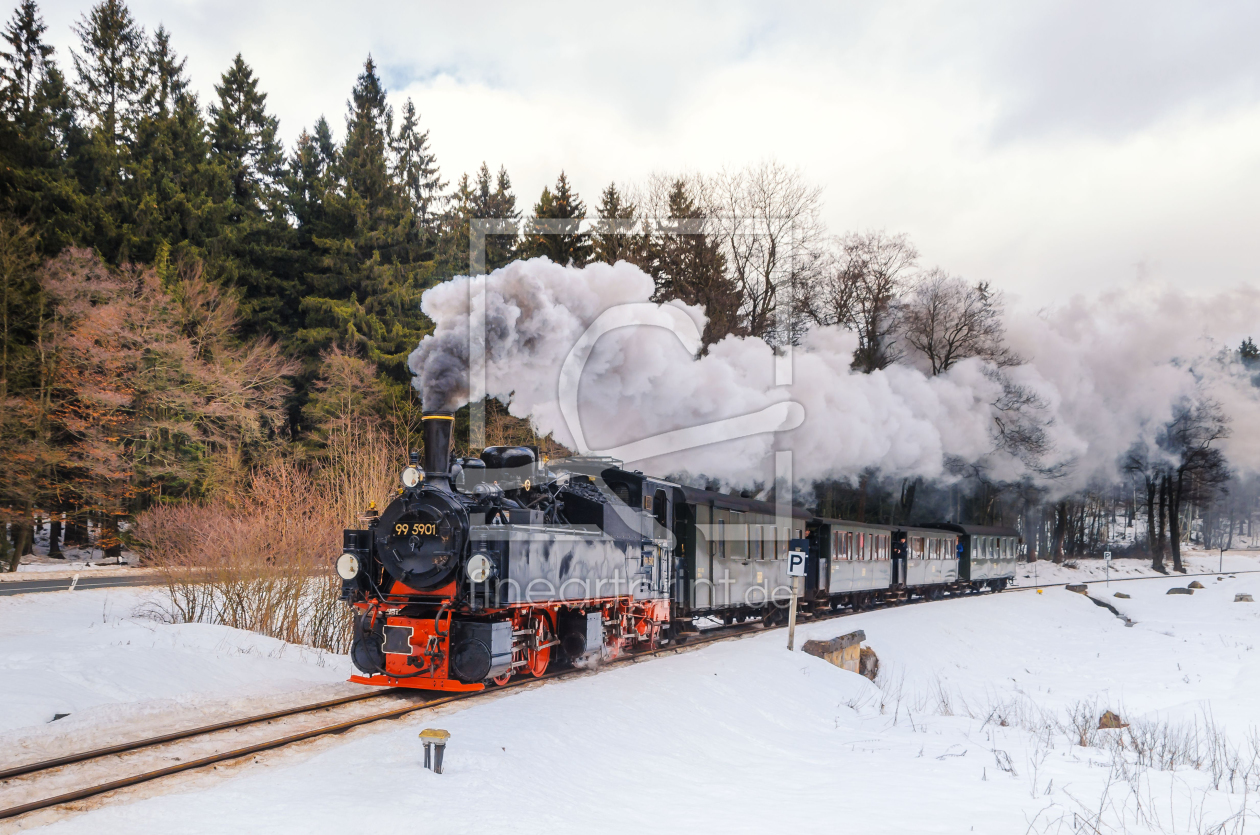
(796, 569)
(1107, 565)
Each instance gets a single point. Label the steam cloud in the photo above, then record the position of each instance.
(1108, 373)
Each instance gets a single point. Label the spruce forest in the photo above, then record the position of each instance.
(204, 333)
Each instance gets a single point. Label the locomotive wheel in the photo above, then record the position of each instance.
(503, 679)
(536, 660)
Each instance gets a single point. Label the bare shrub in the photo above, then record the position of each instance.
(261, 560)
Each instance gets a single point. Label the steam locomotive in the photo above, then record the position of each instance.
(484, 568)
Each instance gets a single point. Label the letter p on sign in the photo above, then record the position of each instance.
(796, 563)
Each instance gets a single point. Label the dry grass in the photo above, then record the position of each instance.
(262, 560)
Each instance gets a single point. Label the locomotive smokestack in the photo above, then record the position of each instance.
(435, 428)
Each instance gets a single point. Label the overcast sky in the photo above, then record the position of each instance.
(1045, 147)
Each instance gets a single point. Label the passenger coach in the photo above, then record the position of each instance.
(986, 555)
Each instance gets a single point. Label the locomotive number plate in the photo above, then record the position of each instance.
(415, 529)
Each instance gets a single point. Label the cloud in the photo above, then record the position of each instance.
(1048, 148)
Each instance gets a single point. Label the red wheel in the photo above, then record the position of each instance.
(539, 654)
(503, 679)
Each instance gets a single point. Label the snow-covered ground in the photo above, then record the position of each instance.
(968, 728)
(92, 655)
(1078, 570)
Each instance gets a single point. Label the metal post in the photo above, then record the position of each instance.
(1220, 567)
(792, 617)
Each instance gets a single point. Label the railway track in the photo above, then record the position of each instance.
(411, 702)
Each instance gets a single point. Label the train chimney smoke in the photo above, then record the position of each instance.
(435, 429)
(1092, 381)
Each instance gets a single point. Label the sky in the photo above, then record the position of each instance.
(1048, 148)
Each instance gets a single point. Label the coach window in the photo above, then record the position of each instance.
(754, 542)
(721, 535)
(738, 549)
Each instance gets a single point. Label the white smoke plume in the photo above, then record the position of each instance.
(1107, 373)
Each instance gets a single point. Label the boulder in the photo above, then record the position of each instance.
(1180, 591)
(1111, 721)
(845, 652)
(1122, 595)
(1196, 585)
(1243, 598)
(868, 664)
(1079, 588)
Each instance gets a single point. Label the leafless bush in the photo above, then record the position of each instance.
(261, 561)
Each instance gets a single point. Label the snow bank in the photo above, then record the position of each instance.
(86, 653)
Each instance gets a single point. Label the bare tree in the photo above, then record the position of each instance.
(860, 289)
(946, 320)
(773, 237)
(1197, 469)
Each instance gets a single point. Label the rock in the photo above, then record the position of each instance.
(1110, 721)
(869, 663)
(1195, 585)
(1122, 595)
(1181, 591)
(1244, 598)
(1079, 588)
(844, 652)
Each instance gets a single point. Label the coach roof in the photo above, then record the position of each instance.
(723, 500)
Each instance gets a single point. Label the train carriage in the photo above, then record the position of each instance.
(733, 553)
(986, 554)
(925, 557)
(853, 561)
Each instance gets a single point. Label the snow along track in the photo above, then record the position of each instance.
(34, 774)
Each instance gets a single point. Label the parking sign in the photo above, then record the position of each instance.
(796, 563)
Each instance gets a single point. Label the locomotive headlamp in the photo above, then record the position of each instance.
(411, 477)
(479, 568)
(347, 566)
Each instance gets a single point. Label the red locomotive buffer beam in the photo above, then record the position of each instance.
(455, 655)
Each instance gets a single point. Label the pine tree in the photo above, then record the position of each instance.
(111, 70)
(309, 177)
(489, 198)
(501, 205)
(688, 264)
(35, 131)
(25, 63)
(372, 261)
(174, 190)
(1248, 352)
(415, 167)
(243, 137)
(612, 237)
(364, 161)
(566, 244)
(257, 251)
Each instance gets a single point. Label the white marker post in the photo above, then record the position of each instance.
(1107, 565)
(796, 568)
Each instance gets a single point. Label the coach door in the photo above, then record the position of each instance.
(899, 548)
(658, 551)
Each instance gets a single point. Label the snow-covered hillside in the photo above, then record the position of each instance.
(968, 728)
